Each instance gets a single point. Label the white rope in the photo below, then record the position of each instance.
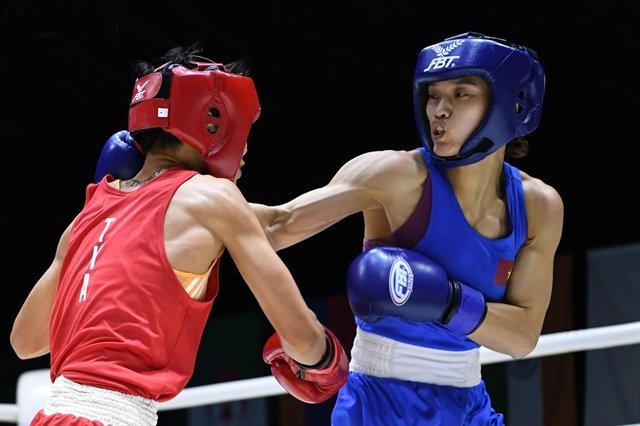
(8, 413)
(574, 341)
(548, 344)
(223, 392)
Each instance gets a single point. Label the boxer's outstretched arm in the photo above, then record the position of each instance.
(369, 184)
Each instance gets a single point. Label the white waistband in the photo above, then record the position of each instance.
(383, 357)
(103, 405)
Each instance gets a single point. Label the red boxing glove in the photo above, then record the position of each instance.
(310, 384)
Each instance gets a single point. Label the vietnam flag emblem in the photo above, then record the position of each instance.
(504, 271)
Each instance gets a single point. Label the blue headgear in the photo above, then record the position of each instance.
(515, 78)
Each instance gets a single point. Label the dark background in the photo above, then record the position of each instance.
(334, 80)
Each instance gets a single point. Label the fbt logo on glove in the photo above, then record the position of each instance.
(400, 282)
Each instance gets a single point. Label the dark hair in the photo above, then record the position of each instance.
(157, 139)
(517, 148)
(185, 56)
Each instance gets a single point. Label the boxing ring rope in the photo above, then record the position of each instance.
(548, 344)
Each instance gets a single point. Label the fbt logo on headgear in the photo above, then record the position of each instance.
(442, 60)
(400, 282)
(146, 87)
(139, 94)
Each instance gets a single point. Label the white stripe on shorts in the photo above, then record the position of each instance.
(383, 357)
(103, 405)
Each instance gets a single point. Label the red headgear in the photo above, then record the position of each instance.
(185, 101)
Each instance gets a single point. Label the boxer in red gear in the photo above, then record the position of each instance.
(123, 305)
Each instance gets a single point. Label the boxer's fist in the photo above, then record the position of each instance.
(308, 384)
(392, 281)
(120, 157)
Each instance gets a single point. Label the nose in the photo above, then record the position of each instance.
(442, 109)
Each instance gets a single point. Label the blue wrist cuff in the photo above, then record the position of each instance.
(470, 311)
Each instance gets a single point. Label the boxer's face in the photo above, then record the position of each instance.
(455, 108)
(239, 172)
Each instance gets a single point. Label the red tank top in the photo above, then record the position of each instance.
(121, 320)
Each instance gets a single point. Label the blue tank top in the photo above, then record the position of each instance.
(480, 262)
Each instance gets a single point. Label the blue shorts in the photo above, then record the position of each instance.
(372, 401)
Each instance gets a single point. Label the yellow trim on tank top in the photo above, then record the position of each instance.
(194, 284)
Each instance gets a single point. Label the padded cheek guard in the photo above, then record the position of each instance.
(184, 102)
(515, 78)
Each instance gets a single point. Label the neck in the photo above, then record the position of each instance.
(133, 183)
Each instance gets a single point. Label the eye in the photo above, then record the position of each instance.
(463, 92)
(213, 128)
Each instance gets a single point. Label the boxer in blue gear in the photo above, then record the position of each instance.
(459, 244)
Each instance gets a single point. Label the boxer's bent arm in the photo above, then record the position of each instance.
(30, 333)
(231, 220)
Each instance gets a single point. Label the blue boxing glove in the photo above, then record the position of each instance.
(397, 282)
(121, 157)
